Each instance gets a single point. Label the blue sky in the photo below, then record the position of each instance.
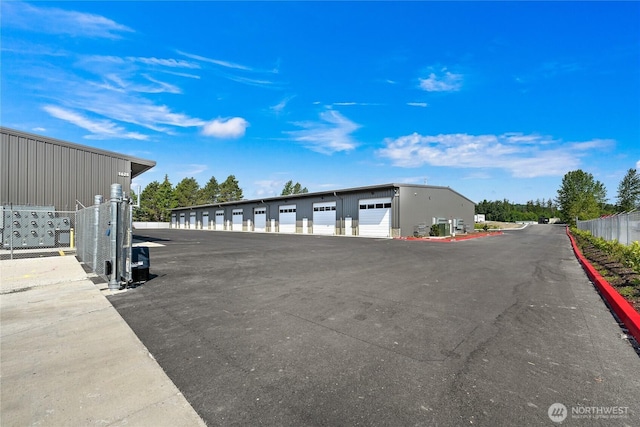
(496, 100)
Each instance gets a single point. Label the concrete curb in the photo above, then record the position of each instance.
(620, 306)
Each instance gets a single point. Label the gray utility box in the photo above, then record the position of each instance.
(33, 227)
(140, 264)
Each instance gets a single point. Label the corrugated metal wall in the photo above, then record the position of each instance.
(38, 172)
(419, 205)
(347, 205)
(411, 205)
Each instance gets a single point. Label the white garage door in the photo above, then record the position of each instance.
(374, 217)
(287, 218)
(260, 219)
(182, 221)
(205, 220)
(324, 218)
(192, 220)
(174, 222)
(237, 220)
(219, 220)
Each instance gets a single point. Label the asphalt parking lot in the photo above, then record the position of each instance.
(264, 329)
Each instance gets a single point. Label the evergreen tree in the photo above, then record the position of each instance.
(210, 192)
(149, 211)
(230, 190)
(187, 193)
(629, 192)
(297, 189)
(164, 200)
(291, 188)
(288, 188)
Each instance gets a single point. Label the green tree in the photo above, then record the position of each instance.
(288, 188)
(291, 188)
(187, 193)
(164, 200)
(210, 192)
(298, 189)
(580, 196)
(230, 190)
(149, 211)
(137, 212)
(629, 191)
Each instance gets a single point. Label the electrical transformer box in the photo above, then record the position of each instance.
(33, 227)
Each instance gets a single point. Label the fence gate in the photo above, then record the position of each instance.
(104, 237)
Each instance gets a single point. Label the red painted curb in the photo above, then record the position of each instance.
(620, 306)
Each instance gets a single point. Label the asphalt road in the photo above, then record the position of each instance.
(262, 329)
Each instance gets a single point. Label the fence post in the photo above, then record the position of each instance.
(12, 231)
(115, 198)
(97, 201)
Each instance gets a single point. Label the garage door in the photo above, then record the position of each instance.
(374, 217)
(219, 220)
(205, 220)
(237, 220)
(182, 221)
(324, 218)
(260, 219)
(287, 218)
(192, 220)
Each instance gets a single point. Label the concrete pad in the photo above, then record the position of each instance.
(31, 272)
(68, 358)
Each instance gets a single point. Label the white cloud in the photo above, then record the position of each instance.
(268, 188)
(99, 128)
(352, 103)
(225, 64)
(444, 81)
(417, 104)
(240, 71)
(330, 135)
(226, 128)
(52, 20)
(638, 164)
(280, 106)
(524, 156)
(191, 170)
(595, 144)
(170, 62)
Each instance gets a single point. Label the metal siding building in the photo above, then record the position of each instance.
(39, 171)
(388, 210)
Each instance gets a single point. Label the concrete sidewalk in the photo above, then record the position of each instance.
(69, 359)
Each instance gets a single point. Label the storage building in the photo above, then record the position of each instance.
(388, 210)
(37, 170)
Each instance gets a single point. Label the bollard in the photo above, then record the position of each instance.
(115, 199)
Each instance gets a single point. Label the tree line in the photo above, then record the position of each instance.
(580, 196)
(158, 198)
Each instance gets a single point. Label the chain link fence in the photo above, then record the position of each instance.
(625, 227)
(35, 231)
(104, 239)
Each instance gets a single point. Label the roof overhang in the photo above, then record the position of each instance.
(138, 166)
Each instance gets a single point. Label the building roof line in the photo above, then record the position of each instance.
(318, 193)
(138, 165)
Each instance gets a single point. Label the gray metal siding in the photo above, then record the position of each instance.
(36, 171)
(419, 205)
(347, 204)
